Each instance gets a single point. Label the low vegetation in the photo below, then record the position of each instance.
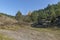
(4, 37)
(11, 27)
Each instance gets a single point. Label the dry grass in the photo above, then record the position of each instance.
(10, 27)
(56, 32)
(4, 37)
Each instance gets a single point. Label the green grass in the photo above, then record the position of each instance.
(4, 37)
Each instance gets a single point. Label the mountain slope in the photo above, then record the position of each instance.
(5, 19)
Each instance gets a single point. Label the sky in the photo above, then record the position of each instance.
(11, 7)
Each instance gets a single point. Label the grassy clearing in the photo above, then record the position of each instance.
(4, 37)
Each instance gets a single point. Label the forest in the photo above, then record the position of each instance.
(47, 17)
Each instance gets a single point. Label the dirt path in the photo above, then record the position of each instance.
(26, 34)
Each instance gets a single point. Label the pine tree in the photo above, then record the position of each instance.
(18, 16)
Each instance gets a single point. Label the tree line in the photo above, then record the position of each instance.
(50, 13)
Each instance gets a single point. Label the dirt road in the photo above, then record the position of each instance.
(27, 34)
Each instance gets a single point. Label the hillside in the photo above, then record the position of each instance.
(4, 19)
(8, 22)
